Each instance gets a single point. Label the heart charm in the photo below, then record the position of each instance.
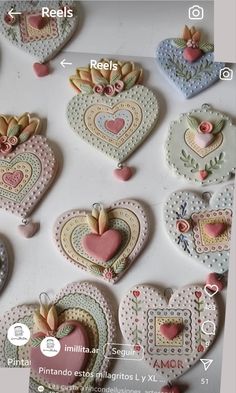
(125, 218)
(189, 63)
(123, 173)
(215, 280)
(197, 242)
(4, 264)
(80, 319)
(41, 69)
(142, 316)
(41, 37)
(170, 330)
(27, 165)
(200, 146)
(112, 111)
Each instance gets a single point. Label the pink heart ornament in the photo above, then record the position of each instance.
(124, 173)
(41, 69)
(29, 230)
(64, 360)
(115, 126)
(215, 229)
(37, 21)
(13, 178)
(170, 330)
(192, 54)
(214, 279)
(203, 140)
(102, 247)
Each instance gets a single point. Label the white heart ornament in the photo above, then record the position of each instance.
(191, 153)
(144, 310)
(187, 216)
(42, 41)
(81, 303)
(127, 217)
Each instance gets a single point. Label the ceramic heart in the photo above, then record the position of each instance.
(193, 73)
(4, 264)
(191, 222)
(27, 165)
(200, 146)
(84, 320)
(113, 112)
(41, 39)
(126, 217)
(144, 309)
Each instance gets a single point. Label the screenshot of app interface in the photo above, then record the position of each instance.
(117, 160)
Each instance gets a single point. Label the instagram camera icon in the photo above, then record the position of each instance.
(226, 74)
(196, 12)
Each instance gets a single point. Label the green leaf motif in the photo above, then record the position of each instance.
(87, 89)
(218, 126)
(192, 123)
(119, 266)
(36, 341)
(179, 43)
(215, 163)
(64, 331)
(94, 269)
(189, 162)
(206, 47)
(14, 130)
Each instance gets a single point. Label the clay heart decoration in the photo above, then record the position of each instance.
(215, 229)
(4, 264)
(112, 111)
(212, 252)
(123, 173)
(29, 230)
(115, 126)
(200, 146)
(73, 361)
(88, 308)
(170, 330)
(41, 37)
(102, 247)
(141, 316)
(27, 165)
(215, 279)
(41, 69)
(125, 216)
(189, 76)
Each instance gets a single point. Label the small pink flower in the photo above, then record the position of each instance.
(10, 20)
(3, 139)
(119, 86)
(200, 348)
(13, 140)
(205, 127)
(198, 294)
(108, 274)
(192, 44)
(109, 90)
(136, 293)
(99, 89)
(5, 148)
(137, 347)
(182, 225)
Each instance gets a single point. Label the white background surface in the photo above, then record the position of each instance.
(85, 175)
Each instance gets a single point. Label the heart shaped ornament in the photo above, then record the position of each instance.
(4, 264)
(201, 228)
(81, 321)
(104, 242)
(188, 62)
(144, 312)
(112, 111)
(42, 36)
(200, 146)
(27, 167)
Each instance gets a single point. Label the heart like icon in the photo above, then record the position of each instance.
(211, 289)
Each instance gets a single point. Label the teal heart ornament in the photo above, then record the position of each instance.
(188, 62)
(113, 112)
(201, 146)
(201, 227)
(41, 37)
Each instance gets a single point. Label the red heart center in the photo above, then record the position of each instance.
(71, 357)
(13, 178)
(170, 330)
(102, 247)
(37, 21)
(192, 54)
(215, 229)
(115, 126)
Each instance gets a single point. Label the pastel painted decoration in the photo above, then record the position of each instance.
(40, 35)
(27, 168)
(188, 62)
(112, 110)
(201, 146)
(208, 238)
(4, 264)
(144, 310)
(105, 242)
(80, 318)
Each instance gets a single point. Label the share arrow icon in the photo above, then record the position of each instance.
(206, 363)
